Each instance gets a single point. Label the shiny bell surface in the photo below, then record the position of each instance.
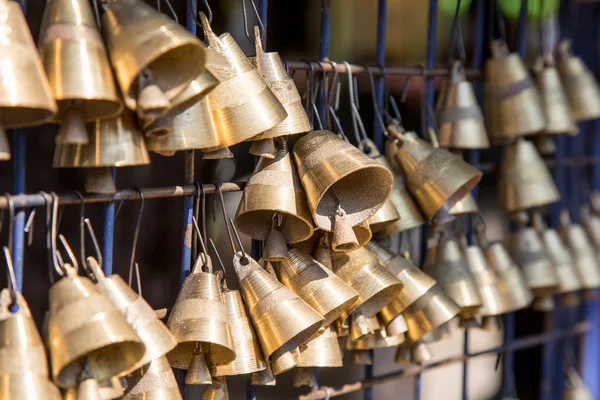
(386, 215)
(86, 331)
(198, 372)
(513, 106)
(491, 288)
(322, 351)
(568, 274)
(554, 99)
(466, 205)
(199, 315)
(217, 391)
(584, 255)
(318, 286)
(248, 356)
(525, 180)
(155, 381)
(266, 377)
(76, 63)
(338, 176)
(281, 319)
(458, 114)
(139, 38)
(273, 192)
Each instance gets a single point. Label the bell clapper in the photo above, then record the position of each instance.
(263, 148)
(151, 100)
(160, 128)
(100, 180)
(218, 154)
(72, 128)
(89, 388)
(344, 238)
(305, 377)
(275, 245)
(362, 325)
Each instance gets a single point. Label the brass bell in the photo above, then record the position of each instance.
(242, 104)
(217, 391)
(377, 340)
(512, 103)
(458, 114)
(304, 376)
(142, 41)
(139, 314)
(386, 215)
(591, 224)
(420, 353)
(86, 332)
(281, 319)
(248, 356)
(466, 205)
(316, 285)
(434, 176)
(89, 389)
(428, 312)
(361, 326)
(580, 84)
(199, 315)
(344, 187)
(396, 327)
(266, 377)
(442, 332)
(403, 355)
(545, 145)
(274, 195)
(24, 368)
(283, 360)
(75, 60)
(198, 372)
(584, 254)
(322, 351)
(361, 357)
(153, 381)
(554, 100)
(575, 388)
(525, 180)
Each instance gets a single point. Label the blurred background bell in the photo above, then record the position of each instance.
(322, 351)
(217, 390)
(155, 380)
(584, 254)
(575, 388)
(554, 100)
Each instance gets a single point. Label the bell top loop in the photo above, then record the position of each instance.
(12, 279)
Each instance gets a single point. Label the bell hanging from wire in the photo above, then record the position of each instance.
(322, 351)
(458, 114)
(387, 214)
(576, 389)
(266, 377)
(217, 390)
(153, 381)
(513, 106)
(525, 181)
(584, 255)
(76, 63)
(316, 285)
(361, 357)
(580, 84)
(145, 44)
(344, 187)
(198, 372)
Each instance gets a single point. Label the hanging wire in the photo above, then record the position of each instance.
(29, 226)
(136, 232)
(495, 19)
(51, 201)
(200, 240)
(67, 248)
(138, 278)
(325, 92)
(170, 7)
(376, 107)
(95, 243)
(96, 13)
(11, 277)
(352, 99)
(231, 227)
(199, 207)
(11, 220)
(260, 23)
(209, 13)
(456, 38)
(219, 260)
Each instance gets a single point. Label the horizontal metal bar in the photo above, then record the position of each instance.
(377, 70)
(515, 345)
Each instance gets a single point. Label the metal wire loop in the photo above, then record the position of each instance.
(456, 38)
(11, 220)
(338, 125)
(12, 278)
(203, 248)
(239, 241)
(81, 225)
(138, 278)
(171, 9)
(260, 23)
(136, 232)
(376, 107)
(29, 226)
(200, 207)
(225, 217)
(67, 248)
(95, 243)
(208, 10)
(219, 260)
(51, 201)
(351, 98)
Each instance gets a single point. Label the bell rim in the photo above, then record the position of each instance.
(240, 223)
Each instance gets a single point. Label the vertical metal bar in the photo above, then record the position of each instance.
(368, 395)
(108, 232)
(381, 28)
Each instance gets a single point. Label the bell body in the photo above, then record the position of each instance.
(75, 60)
(248, 356)
(322, 351)
(86, 328)
(385, 216)
(554, 99)
(492, 290)
(316, 285)
(274, 187)
(339, 175)
(568, 275)
(155, 381)
(525, 181)
(584, 255)
(139, 38)
(113, 142)
(466, 205)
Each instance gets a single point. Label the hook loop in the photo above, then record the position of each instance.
(260, 23)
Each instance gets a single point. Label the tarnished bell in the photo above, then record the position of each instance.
(155, 381)
(217, 391)
(199, 315)
(316, 285)
(575, 388)
(558, 116)
(274, 188)
(338, 177)
(568, 275)
(525, 181)
(435, 177)
(458, 114)
(322, 351)
(429, 312)
(141, 316)
(492, 290)
(304, 376)
(584, 255)
(580, 84)
(242, 104)
(512, 103)
(266, 377)
(75, 60)
(281, 319)
(248, 356)
(23, 364)
(139, 39)
(198, 372)
(86, 332)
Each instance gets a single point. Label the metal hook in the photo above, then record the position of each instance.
(138, 223)
(81, 225)
(338, 124)
(51, 201)
(12, 278)
(239, 241)
(224, 211)
(95, 243)
(214, 249)
(352, 99)
(29, 226)
(137, 278)
(200, 206)
(260, 23)
(310, 76)
(199, 235)
(11, 220)
(69, 251)
(195, 13)
(374, 99)
(171, 9)
(335, 87)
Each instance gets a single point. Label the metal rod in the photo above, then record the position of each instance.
(108, 232)
(188, 211)
(361, 69)
(381, 43)
(19, 145)
(414, 370)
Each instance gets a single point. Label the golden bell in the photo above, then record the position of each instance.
(24, 368)
(575, 388)
(434, 176)
(217, 391)
(545, 145)
(362, 232)
(442, 332)
(384, 216)
(248, 356)
(141, 316)
(340, 180)
(584, 255)
(458, 114)
(86, 332)
(282, 85)
(527, 249)
(420, 353)
(274, 192)
(153, 381)
(512, 103)
(141, 40)
(493, 293)
(568, 274)
(198, 372)
(75, 60)
(580, 84)
(525, 181)
(281, 319)
(304, 376)
(403, 355)
(266, 377)
(361, 326)
(378, 340)
(554, 100)
(322, 351)
(375, 285)
(89, 389)
(396, 326)
(199, 315)
(242, 104)
(361, 357)
(283, 360)
(316, 285)
(466, 205)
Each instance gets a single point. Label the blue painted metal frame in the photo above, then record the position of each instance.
(380, 89)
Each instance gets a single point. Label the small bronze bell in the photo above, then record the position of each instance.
(361, 326)
(88, 389)
(199, 315)
(322, 351)
(142, 41)
(266, 377)
(554, 100)
(316, 285)
(584, 255)
(491, 288)
(403, 355)
(420, 353)
(377, 340)
(525, 181)
(386, 215)
(304, 376)
(217, 391)
(513, 106)
(575, 388)
(283, 360)
(396, 326)
(361, 357)
(428, 312)
(198, 372)
(458, 114)
(153, 381)
(344, 187)
(580, 84)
